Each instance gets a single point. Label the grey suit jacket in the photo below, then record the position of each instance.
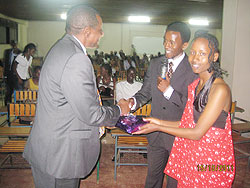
(64, 140)
(162, 108)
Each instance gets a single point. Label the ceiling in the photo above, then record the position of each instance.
(162, 12)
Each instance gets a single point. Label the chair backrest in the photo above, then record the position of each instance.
(122, 76)
(22, 109)
(232, 111)
(235, 109)
(233, 106)
(145, 110)
(25, 96)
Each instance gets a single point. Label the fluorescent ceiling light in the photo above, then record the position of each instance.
(63, 16)
(198, 21)
(139, 19)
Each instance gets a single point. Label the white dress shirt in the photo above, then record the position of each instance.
(168, 92)
(126, 90)
(83, 47)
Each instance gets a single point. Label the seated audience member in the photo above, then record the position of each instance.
(21, 65)
(202, 153)
(128, 62)
(32, 83)
(106, 58)
(116, 54)
(95, 54)
(96, 67)
(127, 89)
(115, 66)
(105, 82)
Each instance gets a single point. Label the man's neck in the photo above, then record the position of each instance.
(176, 57)
(130, 82)
(81, 43)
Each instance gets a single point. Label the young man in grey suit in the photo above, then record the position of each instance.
(64, 144)
(168, 96)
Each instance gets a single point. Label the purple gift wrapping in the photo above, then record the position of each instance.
(130, 123)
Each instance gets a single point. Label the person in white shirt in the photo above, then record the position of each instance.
(22, 65)
(126, 89)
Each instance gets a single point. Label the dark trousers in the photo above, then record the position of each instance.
(157, 160)
(11, 85)
(8, 94)
(44, 180)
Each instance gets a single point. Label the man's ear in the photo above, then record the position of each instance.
(86, 31)
(216, 56)
(184, 46)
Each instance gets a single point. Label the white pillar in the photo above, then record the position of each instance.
(235, 52)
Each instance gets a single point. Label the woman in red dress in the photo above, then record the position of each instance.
(202, 153)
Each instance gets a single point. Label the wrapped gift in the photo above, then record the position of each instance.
(130, 123)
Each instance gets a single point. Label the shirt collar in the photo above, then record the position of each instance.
(83, 48)
(177, 60)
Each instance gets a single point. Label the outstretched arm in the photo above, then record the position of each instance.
(218, 100)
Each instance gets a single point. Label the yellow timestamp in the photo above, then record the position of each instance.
(212, 167)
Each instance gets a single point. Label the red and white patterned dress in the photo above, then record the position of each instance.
(208, 162)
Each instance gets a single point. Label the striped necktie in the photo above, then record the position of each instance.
(170, 69)
(101, 129)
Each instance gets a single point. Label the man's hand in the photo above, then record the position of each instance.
(163, 84)
(124, 105)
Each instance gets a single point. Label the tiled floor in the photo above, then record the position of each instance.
(127, 177)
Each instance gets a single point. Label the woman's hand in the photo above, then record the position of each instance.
(153, 125)
(153, 120)
(148, 128)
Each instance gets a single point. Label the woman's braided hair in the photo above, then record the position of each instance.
(213, 45)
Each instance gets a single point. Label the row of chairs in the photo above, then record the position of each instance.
(27, 96)
(19, 117)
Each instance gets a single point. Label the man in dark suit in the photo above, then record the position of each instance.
(168, 96)
(64, 144)
(9, 56)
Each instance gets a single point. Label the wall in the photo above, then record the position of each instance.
(116, 36)
(22, 34)
(236, 51)
(44, 34)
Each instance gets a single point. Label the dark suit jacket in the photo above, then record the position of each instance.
(7, 54)
(64, 140)
(162, 108)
